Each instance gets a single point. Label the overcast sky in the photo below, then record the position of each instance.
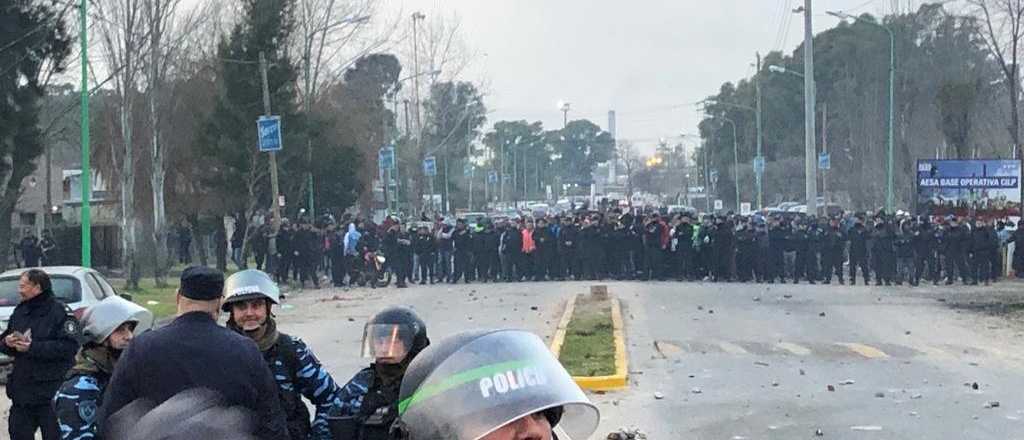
(649, 60)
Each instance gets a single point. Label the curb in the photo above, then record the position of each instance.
(617, 381)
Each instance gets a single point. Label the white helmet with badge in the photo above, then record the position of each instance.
(250, 284)
(103, 318)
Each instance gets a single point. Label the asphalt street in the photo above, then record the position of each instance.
(744, 361)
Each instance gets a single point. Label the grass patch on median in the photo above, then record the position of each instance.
(159, 300)
(589, 348)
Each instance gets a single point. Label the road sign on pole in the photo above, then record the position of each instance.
(824, 161)
(467, 170)
(430, 166)
(492, 177)
(269, 128)
(719, 205)
(745, 208)
(759, 165)
(386, 158)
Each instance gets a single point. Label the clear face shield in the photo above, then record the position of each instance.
(388, 343)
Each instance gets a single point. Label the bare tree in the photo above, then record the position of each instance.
(1002, 29)
(121, 26)
(168, 28)
(631, 161)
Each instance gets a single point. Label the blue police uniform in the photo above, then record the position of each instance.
(76, 404)
(298, 374)
(194, 352)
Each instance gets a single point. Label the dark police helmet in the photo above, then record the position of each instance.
(402, 324)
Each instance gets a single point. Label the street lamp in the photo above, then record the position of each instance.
(779, 69)
(889, 202)
(735, 147)
(736, 160)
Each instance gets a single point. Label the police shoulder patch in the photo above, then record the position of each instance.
(87, 411)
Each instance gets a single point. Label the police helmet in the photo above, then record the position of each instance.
(101, 319)
(395, 332)
(249, 284)
(473, 383)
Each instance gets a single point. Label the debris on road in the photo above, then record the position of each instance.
(787, 296)
(802, 372)
(916, 397)
(822, 314)
(534, 308)
(819, 433)
(775, 383)
(907, 333)
(757, 299)
(761, 364)
(631, 433)
(880, 395)
(992, 404)
(847, 382)
(696, 391)
(659, 396)
(974, 386)
(831, 389)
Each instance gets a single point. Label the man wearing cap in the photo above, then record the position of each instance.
(193, 352)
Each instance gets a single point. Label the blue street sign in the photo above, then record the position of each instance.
(430, 166)
(269, 128)
(759, 165)
(824, 161)
(467, 170)
(387, 158)
(492, 177)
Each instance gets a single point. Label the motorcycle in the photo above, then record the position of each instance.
(375, 271)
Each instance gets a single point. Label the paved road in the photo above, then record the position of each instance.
(762, 357)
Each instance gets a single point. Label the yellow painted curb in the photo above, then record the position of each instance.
(617, 381)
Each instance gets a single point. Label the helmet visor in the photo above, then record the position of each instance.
(390, 342)
(492, 381)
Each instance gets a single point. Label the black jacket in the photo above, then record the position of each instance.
(39, 372)
(859, 241)
(567, 237)
(423, 244)
(194, 352)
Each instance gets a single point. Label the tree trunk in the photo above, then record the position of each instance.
(128, 236)
(6, 210)
(159, 173)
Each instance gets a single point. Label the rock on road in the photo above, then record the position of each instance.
(743, 361)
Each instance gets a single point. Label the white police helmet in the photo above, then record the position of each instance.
(101, 319)
(250, 284)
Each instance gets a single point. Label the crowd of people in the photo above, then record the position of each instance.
(867, 247)
(93, 378)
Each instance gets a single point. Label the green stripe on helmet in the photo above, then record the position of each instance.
(460, 379)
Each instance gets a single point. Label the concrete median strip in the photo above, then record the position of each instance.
(618, 380)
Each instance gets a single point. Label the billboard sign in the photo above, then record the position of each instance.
(983, 188)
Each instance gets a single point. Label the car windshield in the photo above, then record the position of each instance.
(66, 288)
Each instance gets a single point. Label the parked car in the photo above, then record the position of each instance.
(78, 287)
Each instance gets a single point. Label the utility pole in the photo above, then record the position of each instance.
(810, 149)
(417, 16)
(824, 149)
(469, 157)
(275, 205)
(86, 171)
(759, 172)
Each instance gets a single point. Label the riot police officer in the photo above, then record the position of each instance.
(833, 244)
(524, 394)
(249, 298)
(859, 235)
(40, 336)
(370, 401)
(108, 327)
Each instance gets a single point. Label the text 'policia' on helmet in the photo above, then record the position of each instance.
(471, 384)
(394, 332)
(100, 320)
(249, 284)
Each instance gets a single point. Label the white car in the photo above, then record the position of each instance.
(78, 287)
